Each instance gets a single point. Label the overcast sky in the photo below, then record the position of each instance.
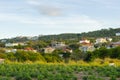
(35, 17)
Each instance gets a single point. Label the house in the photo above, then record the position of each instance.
(11, 44)
(58, 45)
(33, 38)
(7, 51)
(30, 49)
(22, 44)
(49, 50)
(84, 41)
(69, 50)
(66, 49)
(115, 44)
(11, 50)
(3, 40)
(118, 34)
(100, 40)
(87, 47)
(14, 44)
(109, 39)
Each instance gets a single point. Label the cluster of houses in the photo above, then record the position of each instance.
(9, 49)
(14, 44)
(86, 45)
(57, 45)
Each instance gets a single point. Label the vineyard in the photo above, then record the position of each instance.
(57, 72)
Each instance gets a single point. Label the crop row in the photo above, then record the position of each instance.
(57, 72)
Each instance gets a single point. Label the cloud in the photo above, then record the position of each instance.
(49, 10)
(44, 8)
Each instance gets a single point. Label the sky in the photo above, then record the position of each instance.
(36, 17)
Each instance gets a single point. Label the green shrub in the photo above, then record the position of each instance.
(23, 77)
(113, 78)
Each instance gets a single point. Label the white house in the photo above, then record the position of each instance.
(101, 40)
(58, 44)
(86, 48)
(86, 45)
(10, 50)
(14, 44)
(109, 39)
(118, 34)
(48, 50)
(3, 40)
(84, 41)
(33, 38)
(11, 44)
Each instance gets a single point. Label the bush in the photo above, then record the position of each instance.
(113, 78)
(23, 77)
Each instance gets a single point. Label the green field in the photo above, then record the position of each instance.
(20, 71)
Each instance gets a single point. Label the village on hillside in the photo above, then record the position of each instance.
(82, 46)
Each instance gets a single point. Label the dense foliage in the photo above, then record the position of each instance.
(103, 53)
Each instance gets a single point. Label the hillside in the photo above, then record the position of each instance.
(73, 36)
(102, 33)
(99, 33)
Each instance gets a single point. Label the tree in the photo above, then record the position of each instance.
(103, 52)
(77, 55)
(2, 44)
(89, 57)
(35, 57)
(66, 56)
(74, 46)
(115, 53)
(11, 56)
(21, 56)
(3, 55)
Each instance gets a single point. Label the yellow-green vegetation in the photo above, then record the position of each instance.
(96, 70)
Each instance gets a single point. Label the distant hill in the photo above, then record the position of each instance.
(102, 33)
(99, 33)
(73, 36)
